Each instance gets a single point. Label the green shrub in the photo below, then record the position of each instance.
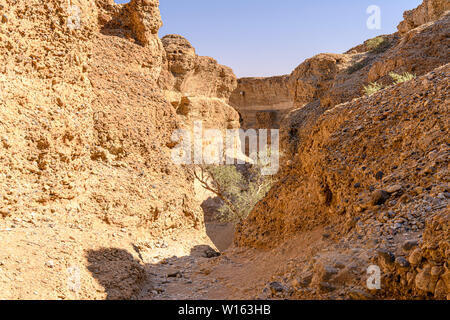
(372, 88)
(400, 78)
(378, 44)
(239, 191)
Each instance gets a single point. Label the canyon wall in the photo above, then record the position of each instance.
(96, 94)
(262, 102)
(367, 172)
(83, 105)
(197, 87)
(86, 139)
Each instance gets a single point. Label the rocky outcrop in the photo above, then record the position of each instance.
(181, 56)
(197, 87)
(139, 19)
(145, 19)
(322, 77)
(334, 79)
(195, 75)
(409, 54)
(262, 102)
(369, 170)
(326, 80)
(429, 10)
(85, 107)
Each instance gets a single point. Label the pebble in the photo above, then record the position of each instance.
(4, 213)
(50, 264)
(176, 274)
(415, 257)
(387, 257)
(326, 287)
(276, 287)
(379, 197)
(394, 189)
(409, 245)
(379, 175)
(402, 262)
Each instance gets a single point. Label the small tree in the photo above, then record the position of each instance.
(239, 189)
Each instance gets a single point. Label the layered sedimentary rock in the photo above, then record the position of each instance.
(262, 102)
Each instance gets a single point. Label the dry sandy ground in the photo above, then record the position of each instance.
(42, 258)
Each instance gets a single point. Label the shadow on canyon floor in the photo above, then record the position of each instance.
(126, 278)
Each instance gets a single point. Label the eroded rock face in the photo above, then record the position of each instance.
(137, 21)
(145, 19)
(86, 137)
(262, 102)
(326, 80)
(192, 74)
(316, 78)
(101, 109)
(418, 51)
(197, 87)
(211, 79)
(141, 17)
(180, 54)
(355, 152)
(429, 10)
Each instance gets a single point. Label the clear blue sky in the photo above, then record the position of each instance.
(264, 38)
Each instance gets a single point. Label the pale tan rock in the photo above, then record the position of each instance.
(194, 75)
(145, 19)
(262, 102)
(180, 54)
